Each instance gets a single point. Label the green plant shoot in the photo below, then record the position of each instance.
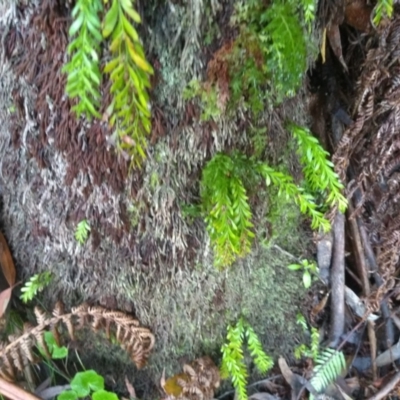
(35, 284)
(310, 269)
(233, 365)
(82, 231)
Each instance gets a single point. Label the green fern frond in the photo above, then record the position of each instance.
(233, 360)
(288, 188)
(262, 361)
(308, 8)
(35, 284)
(227, 210)
(233, 365)
(383, 8)
(317, 168)
(330, 364)
(301, 351)
(129, 72)
(314, 347)
(82, 231)
(301, 320)
(83, 73)
(287, 50)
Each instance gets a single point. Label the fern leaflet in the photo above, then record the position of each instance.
(318, 170)
(82, 231)
(35, 284)
(330, 364)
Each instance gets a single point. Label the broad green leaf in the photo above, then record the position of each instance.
(84, 382)
(68, 395)
(306, 279)
(104, 395)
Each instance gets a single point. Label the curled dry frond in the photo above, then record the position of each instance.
(133, 338)
(198, 381)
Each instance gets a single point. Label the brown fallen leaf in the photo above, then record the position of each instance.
(334, 38)
(6, 261)
(319, 307)
(5, 297)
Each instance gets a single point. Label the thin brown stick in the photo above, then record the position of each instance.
(387, 388)
(363, 272)
(359, 253)
(337, 281)
(14, 392)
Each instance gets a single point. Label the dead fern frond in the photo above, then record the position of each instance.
(136, 340)
(198, 381)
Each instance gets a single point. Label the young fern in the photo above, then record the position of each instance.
(233, 359)
(317, 168)
(82, 231)
(383, 8)
(262, 361)
(35, 284)
(287, 45)
(226, 207)
(129, 72)
(227, 210)
(287, 187)
(83, 72)
(329, 365)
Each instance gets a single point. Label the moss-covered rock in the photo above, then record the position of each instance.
(143, 255)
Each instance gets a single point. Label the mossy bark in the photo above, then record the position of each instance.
(143, 255)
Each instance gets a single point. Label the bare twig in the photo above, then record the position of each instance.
(363, 271)
(387, 389)
(337, 281)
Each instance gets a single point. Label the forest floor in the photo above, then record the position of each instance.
(147, 258)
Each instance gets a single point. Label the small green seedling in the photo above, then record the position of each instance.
(35, 284)
(82, 231)
(55, 350)
(309, 268)
(87, 383)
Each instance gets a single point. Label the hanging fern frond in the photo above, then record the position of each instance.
(287, 52)
(262, 361)
(83, 72)
(317, 168)
(227, 210)
(288, 188)
(136, 340)
(129, 72)
(329, 365)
